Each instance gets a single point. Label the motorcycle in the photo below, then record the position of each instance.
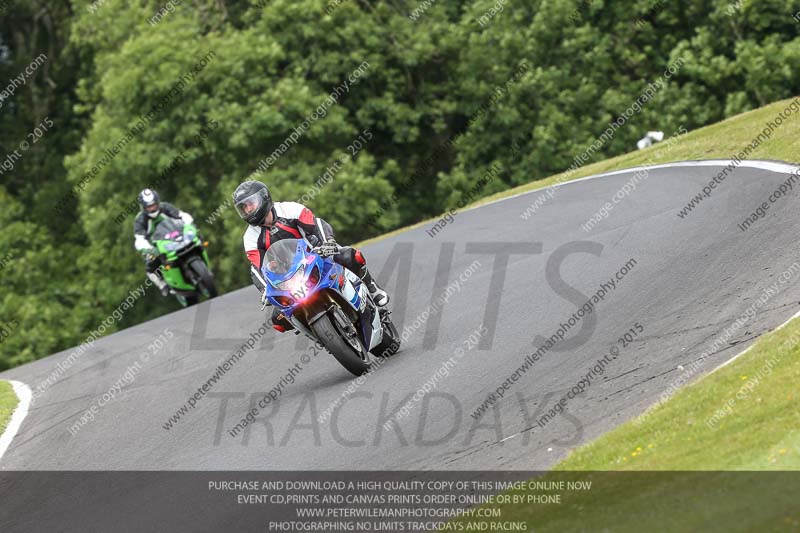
(184, 261)
(328, 303)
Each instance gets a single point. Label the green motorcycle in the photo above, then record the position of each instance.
(184, 261)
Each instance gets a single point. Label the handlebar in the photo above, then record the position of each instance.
(327, 249)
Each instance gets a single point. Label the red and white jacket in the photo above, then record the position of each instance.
(291, 221)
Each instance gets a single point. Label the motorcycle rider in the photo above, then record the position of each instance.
(143, 227)
(271, 221)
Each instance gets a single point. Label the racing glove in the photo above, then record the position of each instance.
(327, 248)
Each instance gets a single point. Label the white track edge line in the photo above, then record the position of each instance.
(24, 395)
(738, 355)
(772, 166)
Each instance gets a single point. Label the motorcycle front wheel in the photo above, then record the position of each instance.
(206, 282)
(330, 337)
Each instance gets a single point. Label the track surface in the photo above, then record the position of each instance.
(693, 277)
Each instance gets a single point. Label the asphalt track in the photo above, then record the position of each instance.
(693, 277)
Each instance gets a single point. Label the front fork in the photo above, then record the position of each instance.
(300, 327)
(343, 323)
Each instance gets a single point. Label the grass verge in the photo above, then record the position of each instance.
(745, 416)
(700, 461)
(8, 402)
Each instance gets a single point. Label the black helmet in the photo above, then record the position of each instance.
(149, 201)
(252, 201)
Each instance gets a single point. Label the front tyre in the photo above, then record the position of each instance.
(330, 337)
(205, 280)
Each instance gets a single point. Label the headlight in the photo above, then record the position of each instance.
(313, 278)
(295, 282)
(284, 301)
(172, 246)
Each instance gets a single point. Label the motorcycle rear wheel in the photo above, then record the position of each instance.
(390, 343)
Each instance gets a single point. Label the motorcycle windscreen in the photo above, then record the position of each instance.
(167, 229)
(284, 256)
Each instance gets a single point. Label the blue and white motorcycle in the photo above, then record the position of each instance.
(328, 303)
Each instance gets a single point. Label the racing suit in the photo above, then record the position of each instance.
(292, 220)
(143, 227)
